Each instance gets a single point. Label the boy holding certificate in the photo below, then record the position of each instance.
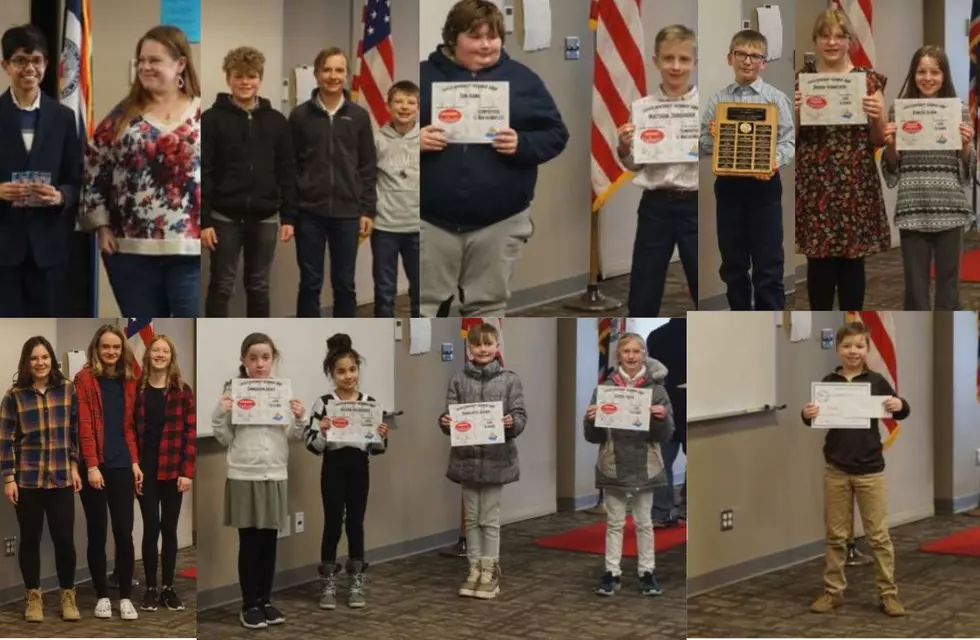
(630, 460)
(855, 468)
(749, 210)
(484, 469)
(668, 212)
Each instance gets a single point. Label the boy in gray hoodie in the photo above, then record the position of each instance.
(396, 227)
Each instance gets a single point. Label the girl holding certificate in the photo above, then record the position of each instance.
(840, 210)
(932, 212)
(484, 469)
(630, 462)
(344, 476)
(855, 468)
(256, 489)
(166, 437)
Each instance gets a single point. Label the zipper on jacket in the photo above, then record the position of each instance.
(331, 163)
(251, 166)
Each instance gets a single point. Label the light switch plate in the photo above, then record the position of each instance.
(447, 351)
(826, 338)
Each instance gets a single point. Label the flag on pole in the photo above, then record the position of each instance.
(468, 323)
(610, 330)
(882, 357)
(618, 78)
(859, 12)
(978, 356)
(75, 66)
(375, 61)
(139, 333)
(974, 62)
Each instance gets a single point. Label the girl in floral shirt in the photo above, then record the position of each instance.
(143, 183)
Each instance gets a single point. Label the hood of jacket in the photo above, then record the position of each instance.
(654, 373)
(225, 102)
(450, 67)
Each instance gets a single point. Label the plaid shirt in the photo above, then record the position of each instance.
(91, 427)
(39, 436)
(178, 442)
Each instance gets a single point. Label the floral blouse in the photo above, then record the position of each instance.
(146, 184)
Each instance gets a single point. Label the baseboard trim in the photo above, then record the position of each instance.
(50, 583)
(952, 506)
(546, 293)
(755, 567)
(578, 503)
(719, 302)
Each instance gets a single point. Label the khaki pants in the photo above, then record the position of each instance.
(840, 491)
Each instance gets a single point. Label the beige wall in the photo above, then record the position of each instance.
(410, 497)
(12, 13)
(966, 407)
(768, 468)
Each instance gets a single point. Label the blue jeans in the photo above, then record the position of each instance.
(385, 249)
(313, 236)
(155, 286)
(663, 497)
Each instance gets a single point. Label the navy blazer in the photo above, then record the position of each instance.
(56, 150)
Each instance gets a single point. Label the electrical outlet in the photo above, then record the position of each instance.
(727, 520)
(300, 522)
(284, 532)
(9, 546)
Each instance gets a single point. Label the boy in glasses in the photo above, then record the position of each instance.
(40, 177)
(749, 210)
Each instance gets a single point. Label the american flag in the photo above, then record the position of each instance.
(468, 323)
(882, 357)
(139, 333)
(975, 61)
(75, 66)
(609, 331)
(978, 356)
(618, 78)
(375, 61)
(859, 12)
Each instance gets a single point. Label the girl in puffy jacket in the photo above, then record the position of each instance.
(256, 488)
(630, 462)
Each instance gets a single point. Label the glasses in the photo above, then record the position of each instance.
(21, 62)
(742, 56)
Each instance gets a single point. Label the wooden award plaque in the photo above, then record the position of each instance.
(746, 141)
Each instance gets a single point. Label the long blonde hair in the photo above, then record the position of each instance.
(127, 360)
(173, 371)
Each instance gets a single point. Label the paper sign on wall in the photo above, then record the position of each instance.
(185, 14)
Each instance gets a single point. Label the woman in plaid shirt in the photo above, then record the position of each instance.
(166, 436)
(39, 465)
(106, 389)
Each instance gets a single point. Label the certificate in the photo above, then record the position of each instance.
(354, 422)
(471, 112)
(833, 99)
(667, 132)
(846, 405)
(260, 401)
(623, 408)
(30, 178)
(476, 423)
(928, 124)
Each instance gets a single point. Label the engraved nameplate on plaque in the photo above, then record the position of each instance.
(746, 140)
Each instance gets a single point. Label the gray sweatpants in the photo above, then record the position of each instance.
(481, 514)
(919, 249)
(477, 265)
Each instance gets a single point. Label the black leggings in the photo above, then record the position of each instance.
(160, 506)
(824, 276)
(59, 505)
(118, 495)
(256, 565)
(344, 484)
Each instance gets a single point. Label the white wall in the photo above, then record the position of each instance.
(12, 13)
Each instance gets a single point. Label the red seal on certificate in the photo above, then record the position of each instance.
(246, 403)
(463, 427)
(911, 126)
(339, 423)
(450, 116)
(652, 136)
(816, 102)
(609, 409)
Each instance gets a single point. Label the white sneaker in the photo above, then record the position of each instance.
(127, 611)
(103, 608)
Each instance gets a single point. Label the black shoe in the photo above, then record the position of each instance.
(150, 599)
(648, 585)
(252, 618)
(609, 585)
(665, 524)
(272, 615)
(169, 599)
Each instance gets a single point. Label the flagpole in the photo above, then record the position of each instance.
(593, 299)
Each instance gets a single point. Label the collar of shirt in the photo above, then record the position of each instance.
(688, 95)
(320, 104)
(755, 86)
(31, 107)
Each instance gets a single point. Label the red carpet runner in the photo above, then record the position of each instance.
(964, 543)
(592, 539)
(969, 268)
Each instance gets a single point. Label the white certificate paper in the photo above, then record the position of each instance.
(354, 422)
(846, 405)
(471, 112)
(476, 423)
(833, 99)
(623, 408)
(667, 132)
(260, 401)
(928, 124)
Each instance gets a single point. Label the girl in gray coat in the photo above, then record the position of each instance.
(483, 470)
(630, 462)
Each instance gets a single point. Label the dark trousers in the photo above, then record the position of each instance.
(148, 286)
(118, 495)
(59, 506)
(313, 236)
(30, 291)
(919, 250)
(256, 565)
(750, 238)
(845, 276)
(254, 241)
(385, 249)
(160, 506)
(344, 485)
(665, 219)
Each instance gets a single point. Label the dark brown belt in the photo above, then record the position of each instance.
(677, 194)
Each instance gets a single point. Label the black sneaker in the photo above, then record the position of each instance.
(150, 598)
(609, 585)
(648, 585)
(272, 615)
(169, 599)
(252, 618)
